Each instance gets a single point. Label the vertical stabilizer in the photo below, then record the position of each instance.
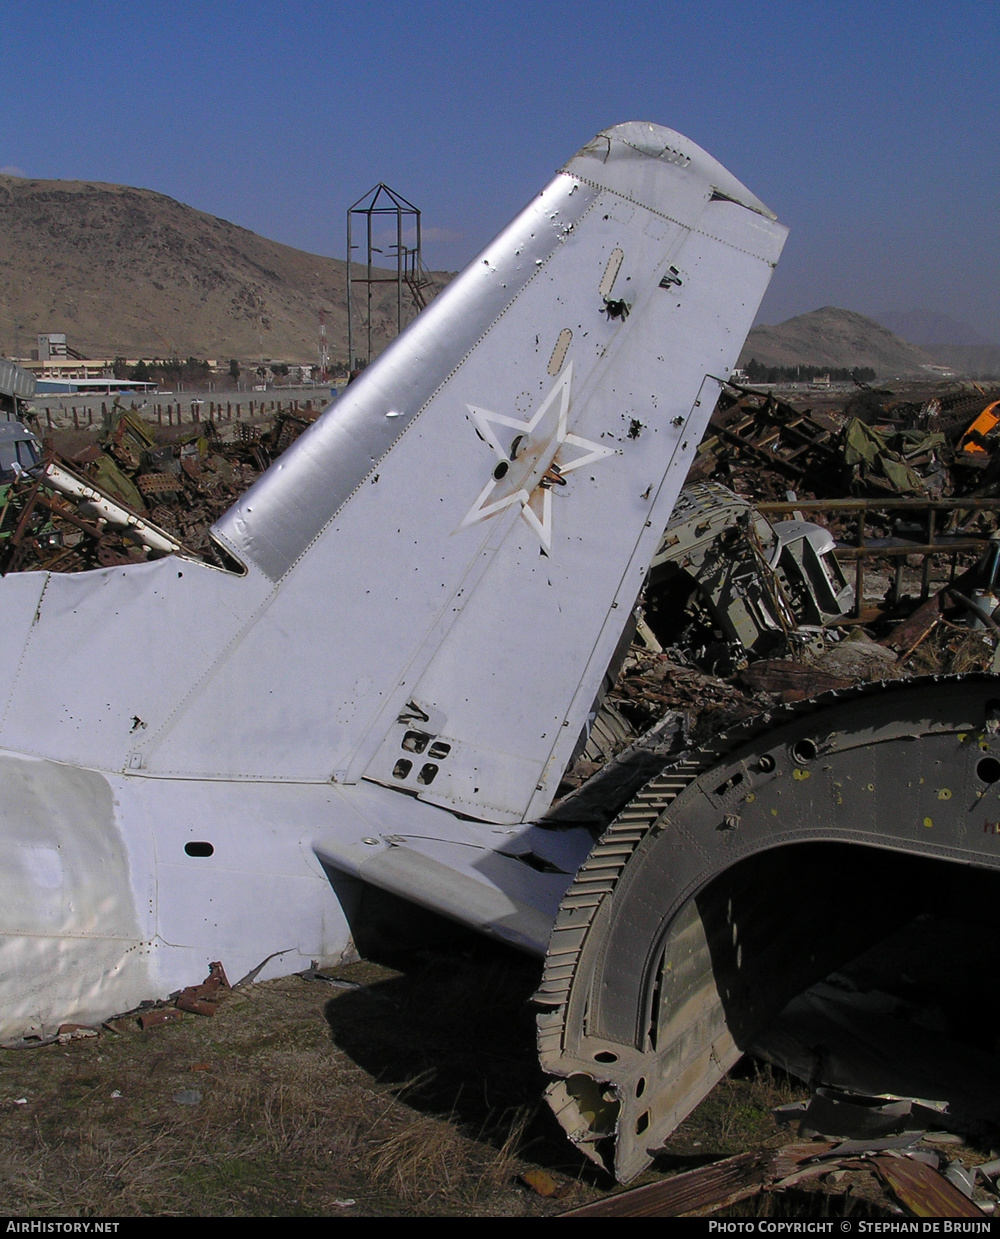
(439, 571)
(457, 544)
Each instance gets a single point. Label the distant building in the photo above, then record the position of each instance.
(60, 368)
(70, 368)
(105, 385)
(54, 359)
(51, 346)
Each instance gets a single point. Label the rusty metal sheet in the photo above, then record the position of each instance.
(161, 1015)
(922, 1190)
(197, 1006)
(688, 1194)
(793, 681)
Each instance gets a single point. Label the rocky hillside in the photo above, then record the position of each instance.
(130, 272)
(929, 328)
(835, 338)
(975, 361)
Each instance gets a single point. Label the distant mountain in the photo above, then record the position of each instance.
(130, 272)
(928, 328)
(838, 339)
(975, 361)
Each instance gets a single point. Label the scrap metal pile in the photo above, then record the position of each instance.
(871, 553)
(811, 550)
(878, 443)
(909, 1176)
(131, 494)
(839, 582)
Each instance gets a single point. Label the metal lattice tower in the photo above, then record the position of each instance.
(410, 273)
(324, 347)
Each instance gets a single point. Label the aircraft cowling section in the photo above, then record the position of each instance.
(743, 874)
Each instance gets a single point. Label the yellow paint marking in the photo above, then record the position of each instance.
(800, 774)
(928, 823)
(944, 794)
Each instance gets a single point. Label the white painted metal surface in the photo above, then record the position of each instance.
(105, 509)
(15, 380)
(437, 575)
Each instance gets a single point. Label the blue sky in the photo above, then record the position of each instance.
(870, 128)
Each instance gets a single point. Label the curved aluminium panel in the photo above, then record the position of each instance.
(729, 886)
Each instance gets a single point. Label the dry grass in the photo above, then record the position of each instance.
(432, 1151)
(737, 1115)
(952, 650)
(416, 1094)
(412, 1094)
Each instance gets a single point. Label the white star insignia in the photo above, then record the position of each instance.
(537, 458)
